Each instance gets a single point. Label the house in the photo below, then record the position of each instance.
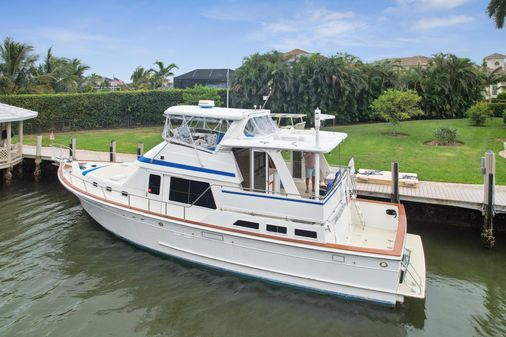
(409, 62)
(493, 62)
(213, 78)
(295, 54)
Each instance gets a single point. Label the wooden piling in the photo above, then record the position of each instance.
(38, 159)
(488, 170)
(112, 151)
(395, 182)
(73, 148)
(140, 150)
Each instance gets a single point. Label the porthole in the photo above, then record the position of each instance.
(383, 264)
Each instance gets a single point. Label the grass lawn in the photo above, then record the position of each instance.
(366, 142)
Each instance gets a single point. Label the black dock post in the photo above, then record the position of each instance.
(140, 150)
(488, 170)
(395, 182)
(112, 151)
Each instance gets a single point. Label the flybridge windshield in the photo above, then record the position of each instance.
(200, 132)
(260, 126)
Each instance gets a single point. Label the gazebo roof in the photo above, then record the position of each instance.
(9, 113)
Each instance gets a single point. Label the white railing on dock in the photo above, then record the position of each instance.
(16, 154)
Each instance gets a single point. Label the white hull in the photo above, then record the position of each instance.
(279, 263)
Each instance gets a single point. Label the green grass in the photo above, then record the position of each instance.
(366, 143)
(374, 150)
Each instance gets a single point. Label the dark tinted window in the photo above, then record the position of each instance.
(309, 234)
(154, 184)
(191, 192)
(246, 224)
(276, 229)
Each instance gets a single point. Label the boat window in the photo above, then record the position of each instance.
(154, 184)
(260, 126)
(202, 132)
(191, 192)
(247, 224)
(308, 234)
(276, 229)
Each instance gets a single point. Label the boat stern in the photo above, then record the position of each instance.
(413, 274)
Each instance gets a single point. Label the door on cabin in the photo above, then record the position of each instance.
(154, 192)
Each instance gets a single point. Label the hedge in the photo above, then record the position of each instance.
(497, 109)
(96, 109)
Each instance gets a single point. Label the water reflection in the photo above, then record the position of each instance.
(61, 274)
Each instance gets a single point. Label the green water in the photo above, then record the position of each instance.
(62, 275)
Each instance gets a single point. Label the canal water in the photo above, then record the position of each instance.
(62, 275)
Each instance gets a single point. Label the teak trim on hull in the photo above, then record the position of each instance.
(396, 251)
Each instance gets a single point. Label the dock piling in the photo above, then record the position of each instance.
(38, 159)
(73, 148)
(395, 182)
(112, 151)
(488, 170)
(140, 149)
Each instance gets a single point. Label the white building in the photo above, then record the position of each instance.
(493, 62)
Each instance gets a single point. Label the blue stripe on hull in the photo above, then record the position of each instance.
(143, 159)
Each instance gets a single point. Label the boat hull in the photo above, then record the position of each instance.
(310, 269)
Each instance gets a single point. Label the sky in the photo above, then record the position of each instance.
(113, 37)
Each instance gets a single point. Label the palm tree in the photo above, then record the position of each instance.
(162, 74)
(497, 10)
(17, 65)
(492, 77)
(69, 74)
(141, 78)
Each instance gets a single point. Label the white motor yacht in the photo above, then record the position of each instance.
(226, 188)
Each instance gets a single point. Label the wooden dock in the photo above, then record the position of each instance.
(468, 196)
(459, 195)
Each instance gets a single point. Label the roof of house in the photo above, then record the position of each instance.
(205, 74)
(296, 52)
(410, 61)
(9, 113)
(496, 56)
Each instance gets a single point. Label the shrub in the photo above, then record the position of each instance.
(501, 95)
(497, 108)
(192, 96)
(97, 109)
(479, 113)
(445, 136)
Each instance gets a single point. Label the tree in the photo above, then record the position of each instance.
(141, 79)
(162, 74)
(17, 66)
(396, 105)
(497, 9)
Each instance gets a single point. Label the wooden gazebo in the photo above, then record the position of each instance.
(11, 152)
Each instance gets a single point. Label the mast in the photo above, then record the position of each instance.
(316, 154)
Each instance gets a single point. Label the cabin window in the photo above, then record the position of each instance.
(247, 224)
(191, 192)
(276, 229)
(308, 234)
(154, 184)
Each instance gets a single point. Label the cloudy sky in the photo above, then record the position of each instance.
(114, 37)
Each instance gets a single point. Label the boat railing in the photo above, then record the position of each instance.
(107, 192)
(60, 153)
(344, 171)
(412, 273)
